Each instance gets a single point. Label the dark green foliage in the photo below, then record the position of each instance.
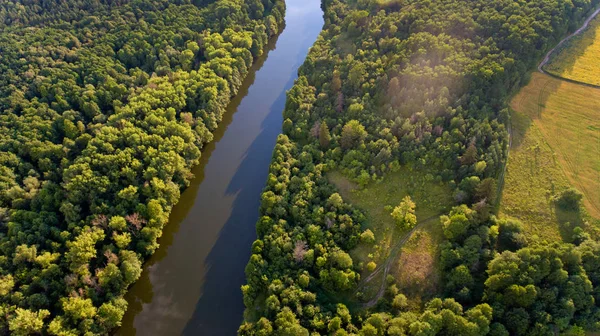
(104, 108)
(569, 199)
(425, 83)
(540, 289)
(324, 136)
(510, 236)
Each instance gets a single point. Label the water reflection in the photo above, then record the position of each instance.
(192, 283)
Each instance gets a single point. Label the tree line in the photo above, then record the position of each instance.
(425, 83)
(106, 105)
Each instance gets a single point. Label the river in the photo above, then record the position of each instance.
(191, 285)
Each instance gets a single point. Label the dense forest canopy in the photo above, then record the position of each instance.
(425, 84)
(104, 108)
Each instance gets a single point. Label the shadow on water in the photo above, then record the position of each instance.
(191, 285)
(141, 293)
(227, 259)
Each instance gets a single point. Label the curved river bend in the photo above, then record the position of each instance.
(191, 285)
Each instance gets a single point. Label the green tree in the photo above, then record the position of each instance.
(404, 214)
(324, 136)
(353, 134)
(26, 322)
(569, 200)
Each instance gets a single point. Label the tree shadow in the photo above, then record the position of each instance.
(564, 59)
(225, 267)
(227, 259)
(529, 104)
(141, 292)
(567, 222)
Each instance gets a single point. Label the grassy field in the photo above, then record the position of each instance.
(417, 267)
(579, 58)
(556, 144)
(432, 199)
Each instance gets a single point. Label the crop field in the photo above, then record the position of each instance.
(579, 59)
(556, 144)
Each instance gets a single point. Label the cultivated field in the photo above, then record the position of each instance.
(579, 58)
(556, 143)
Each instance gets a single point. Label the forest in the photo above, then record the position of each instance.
(426, 84)
(106, 105)
(104, 108)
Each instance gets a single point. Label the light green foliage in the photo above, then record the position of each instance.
(111, 313)
(78, 308)
(400, 301)
(335, 200)
(104, 109)
(83, 249)
(24, 253)
(122, 240)
(129, 193)
(7, 283)
(404, 214)
(131, 267)
(118, 223)
(27, 322)
(414, 96)
(341, 259)
(58, 327)
(46, 259)
(457, 223)
(353, 134)
(367, 237)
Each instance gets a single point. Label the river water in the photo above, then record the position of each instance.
(191, 285)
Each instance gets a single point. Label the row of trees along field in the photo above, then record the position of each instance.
(105, 107)
(393, 82)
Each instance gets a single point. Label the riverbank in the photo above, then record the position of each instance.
(192, 283)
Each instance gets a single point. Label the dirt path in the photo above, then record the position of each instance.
(541, 69)
(396, 249)
(563, 41)
(503, 173)
(387, 264)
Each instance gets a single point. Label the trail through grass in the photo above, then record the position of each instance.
(432, 199)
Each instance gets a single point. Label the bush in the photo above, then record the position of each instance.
(569, 199)
(400, 302)
(367, 237)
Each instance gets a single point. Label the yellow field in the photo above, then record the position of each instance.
(556, 143)
(579, 59)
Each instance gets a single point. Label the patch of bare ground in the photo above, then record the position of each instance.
(417, 268)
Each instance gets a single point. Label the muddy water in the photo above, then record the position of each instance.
(191, 285)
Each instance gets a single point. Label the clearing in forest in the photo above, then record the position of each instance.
(416, 267)
(578, 59)
(432, 199)
(555, 144)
